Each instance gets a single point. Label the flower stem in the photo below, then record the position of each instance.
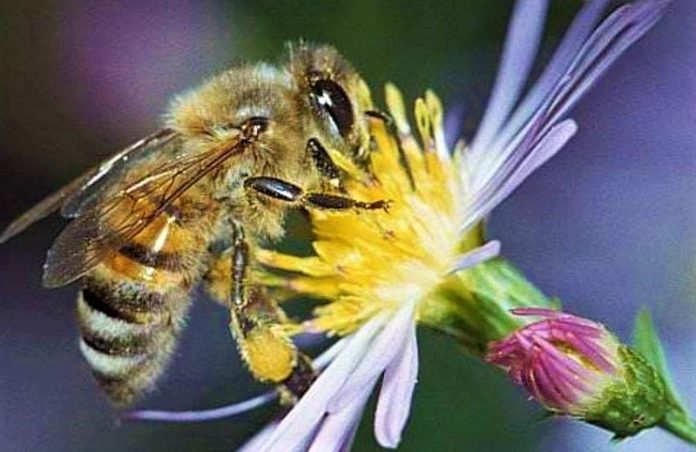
(680, 424)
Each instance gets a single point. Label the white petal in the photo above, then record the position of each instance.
(302, 421)
(338, 429)
(476, 256)
(389, 343)
(394, 403)
(330, 353)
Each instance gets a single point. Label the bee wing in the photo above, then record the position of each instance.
(119, 215)
(72, 198)
(99, 178)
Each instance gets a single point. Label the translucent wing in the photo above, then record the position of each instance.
(99, 178)
(115, 218)
(72, 198)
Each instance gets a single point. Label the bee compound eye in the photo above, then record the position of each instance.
(330, 98)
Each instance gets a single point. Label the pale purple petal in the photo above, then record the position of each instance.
(521, 44)
(203, 415)
(338, 429)
(613, 36)
(511, 160)
(499, 168)
(575, 37)
(394, 403)
(260, 438)
(476, 256)
(349, 438)
(549, 146)
(302, 421)
(390, 342)
(509, 179)
(630, 23)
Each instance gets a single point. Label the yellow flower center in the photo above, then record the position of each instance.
(370, 261)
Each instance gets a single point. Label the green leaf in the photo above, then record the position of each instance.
(646, 341)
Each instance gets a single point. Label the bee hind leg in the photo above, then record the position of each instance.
(258, 323)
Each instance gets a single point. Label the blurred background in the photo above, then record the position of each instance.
(608, 226)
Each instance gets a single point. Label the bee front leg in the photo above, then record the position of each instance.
(285, 191)
(322, 162)
(258, 324)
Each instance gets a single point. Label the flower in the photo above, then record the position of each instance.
(382, 273)
(379, 274)
(575, 367)
(565, 362)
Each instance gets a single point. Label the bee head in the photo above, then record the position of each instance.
(335, 95)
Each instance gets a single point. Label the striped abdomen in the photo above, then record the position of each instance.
(132, 307)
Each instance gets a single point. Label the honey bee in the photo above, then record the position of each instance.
(192, 202)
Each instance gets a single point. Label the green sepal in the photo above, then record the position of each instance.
(635, 401)
(499, 280)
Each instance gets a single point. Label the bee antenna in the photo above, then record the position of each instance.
(380, 115)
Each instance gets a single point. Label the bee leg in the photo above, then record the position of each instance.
(334, 202)
(323, 162)
(257, 323)
(286, 191)
(216, 280)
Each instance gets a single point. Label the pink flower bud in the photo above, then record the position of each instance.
(565, 362)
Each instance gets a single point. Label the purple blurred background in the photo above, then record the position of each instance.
(608, 226)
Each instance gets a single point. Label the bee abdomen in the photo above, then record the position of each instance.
(119, 302)
(128, 333)
(161, 260)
